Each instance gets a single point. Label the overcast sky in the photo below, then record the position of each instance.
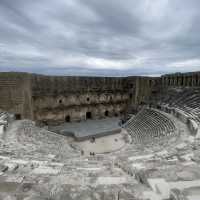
(100, 37)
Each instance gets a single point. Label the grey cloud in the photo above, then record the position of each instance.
(34, 34)
(115, 17)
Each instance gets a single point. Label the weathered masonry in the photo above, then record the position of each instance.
(15, 94)
(58, 99)
(185, 80)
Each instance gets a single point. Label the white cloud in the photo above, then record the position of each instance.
(186, 63)
(96, 63)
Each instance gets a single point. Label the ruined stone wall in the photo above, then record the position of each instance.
(60, 99)
(145, 88)
(53, 99)
(15, 94)
(181, 80)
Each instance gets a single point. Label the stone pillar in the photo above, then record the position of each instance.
(193, 80)
(196, 79)
(179, 80)
(198, 82)
(163, 81)
(166, 81)
(190, 80)
(182, 80)
(186, 81)
(172, 81)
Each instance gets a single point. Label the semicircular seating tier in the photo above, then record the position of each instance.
(149, 124)
(186, 100)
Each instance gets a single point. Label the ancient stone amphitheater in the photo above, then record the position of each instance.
(99, 138)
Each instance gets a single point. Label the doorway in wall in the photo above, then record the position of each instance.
(17, 116)
(106, 113)
(67, 118)
(88, 115)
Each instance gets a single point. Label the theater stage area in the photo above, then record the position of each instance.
(88, 129)
(95, 136)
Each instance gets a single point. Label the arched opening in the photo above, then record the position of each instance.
(106, 113)
(88, 115)
(116, 114)
(196, 80)
(190, 81)
(150, 83)
(60, 101)
(17, 116)
(67, 118)
(88, 99)
(45, 123)
(181, 81)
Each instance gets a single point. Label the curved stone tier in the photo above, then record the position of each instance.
(184, 104)
(149, 124)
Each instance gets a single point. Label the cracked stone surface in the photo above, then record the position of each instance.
(36, 164)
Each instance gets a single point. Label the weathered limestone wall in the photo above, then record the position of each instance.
(53, 99)
(60, 99)
(145, 88)
(15, 94)
(181, 79)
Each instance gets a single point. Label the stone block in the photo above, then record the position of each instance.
(160, 187)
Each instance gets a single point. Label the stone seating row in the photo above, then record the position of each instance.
(3, 122)
(8, 83)
(149, 124)
(185, 100)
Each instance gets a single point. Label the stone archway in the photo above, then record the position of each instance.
(106, 113)
(17, 116)
(67, 118)
(88, 115)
